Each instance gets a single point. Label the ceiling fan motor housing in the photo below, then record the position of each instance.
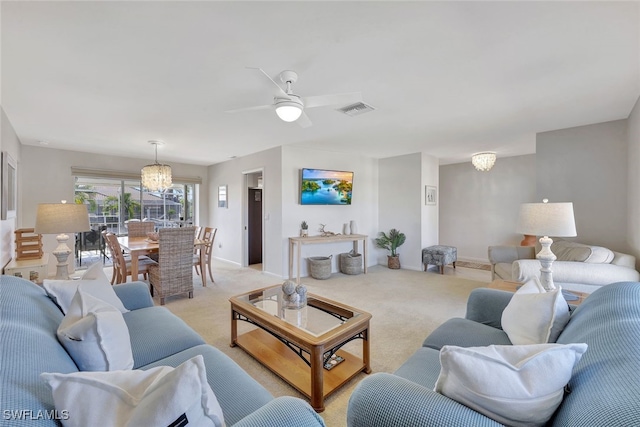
(288, 76)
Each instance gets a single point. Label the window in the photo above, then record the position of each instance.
(114, 202)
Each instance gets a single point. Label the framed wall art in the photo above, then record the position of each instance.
(430, 195)
(9, 186)
(222, 197)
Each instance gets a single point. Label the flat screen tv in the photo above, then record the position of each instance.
(325, 187)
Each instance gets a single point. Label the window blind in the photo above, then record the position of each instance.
(126, 175)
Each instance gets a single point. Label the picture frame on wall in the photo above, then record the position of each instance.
(430, 195)
(9, 187)
(222, 197)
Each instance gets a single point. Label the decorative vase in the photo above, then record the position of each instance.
(353, 227)
(393, 262)
(345, 228)
(303, 232)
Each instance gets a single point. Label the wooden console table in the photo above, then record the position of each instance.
(297, 242)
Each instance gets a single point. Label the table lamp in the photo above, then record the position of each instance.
(61, 218)
(547, 219)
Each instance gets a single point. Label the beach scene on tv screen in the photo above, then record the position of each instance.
(325, 187)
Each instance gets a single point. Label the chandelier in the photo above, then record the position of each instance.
(156, 177)
(484, 161)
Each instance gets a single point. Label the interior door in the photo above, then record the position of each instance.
(255, 226)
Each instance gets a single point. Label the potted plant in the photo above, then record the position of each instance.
(304, 227)
(391, 242)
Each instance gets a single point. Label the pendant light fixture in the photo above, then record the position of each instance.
(484, 161)
(156, 177)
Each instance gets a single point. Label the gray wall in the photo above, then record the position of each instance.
(10, 143)
(282, 210)
(231, 238)
(400, 185)
(593, 166)
(633, 196)
(479, 209)
(587, 165)
(364, 197)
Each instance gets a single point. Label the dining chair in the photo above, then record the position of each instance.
(196, 249)
(173, 274)
(111, 251)
(140, 228)
(122, 266)
(209, 235)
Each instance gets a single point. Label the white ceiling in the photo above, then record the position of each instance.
(447, 78)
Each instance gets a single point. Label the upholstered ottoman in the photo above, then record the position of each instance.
(439, 255)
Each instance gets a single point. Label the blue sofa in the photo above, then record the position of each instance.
(605, 385)
(29, 346)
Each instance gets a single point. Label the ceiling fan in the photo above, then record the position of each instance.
(290, 107)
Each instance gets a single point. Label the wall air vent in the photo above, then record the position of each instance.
(356, 109)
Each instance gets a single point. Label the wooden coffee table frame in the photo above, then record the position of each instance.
(297, 356)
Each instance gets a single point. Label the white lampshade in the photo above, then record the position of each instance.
(61, 218)
(547, 219)
(57, 218)
(289, 110)
(483, 161)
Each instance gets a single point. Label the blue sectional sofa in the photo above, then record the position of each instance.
(29, 346)
(604, 387)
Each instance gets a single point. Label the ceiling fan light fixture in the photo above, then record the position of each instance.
(289, 110)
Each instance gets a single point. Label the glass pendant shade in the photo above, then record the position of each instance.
(156, 177)
(483, 161)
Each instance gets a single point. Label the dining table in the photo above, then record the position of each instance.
(141, 246)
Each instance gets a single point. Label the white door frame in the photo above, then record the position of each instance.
(245, 217)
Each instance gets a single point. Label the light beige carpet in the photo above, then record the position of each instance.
(406, 306)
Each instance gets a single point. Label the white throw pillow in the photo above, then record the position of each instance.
(95, 334)
(514, 385)
(63, 291)
(535, 316)
(155, 397)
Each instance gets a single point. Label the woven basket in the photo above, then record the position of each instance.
(350, 264)
(320, 267)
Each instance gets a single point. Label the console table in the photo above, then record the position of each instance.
(297, 242)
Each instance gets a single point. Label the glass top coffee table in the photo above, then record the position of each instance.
(302, 346)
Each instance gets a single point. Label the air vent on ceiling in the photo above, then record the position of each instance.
(356, 109)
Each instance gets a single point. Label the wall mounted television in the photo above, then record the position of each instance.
(325, 187)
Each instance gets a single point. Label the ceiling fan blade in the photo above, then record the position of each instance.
(242, 110)
(304, 121)
(272, 81)
(335, 99)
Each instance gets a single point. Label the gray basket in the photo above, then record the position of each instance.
(350, 263)
(320, 267)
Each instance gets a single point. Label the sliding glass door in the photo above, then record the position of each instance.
(112, 203)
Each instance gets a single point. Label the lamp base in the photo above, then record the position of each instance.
(546, 258)
(62, 255)
(528, 240)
